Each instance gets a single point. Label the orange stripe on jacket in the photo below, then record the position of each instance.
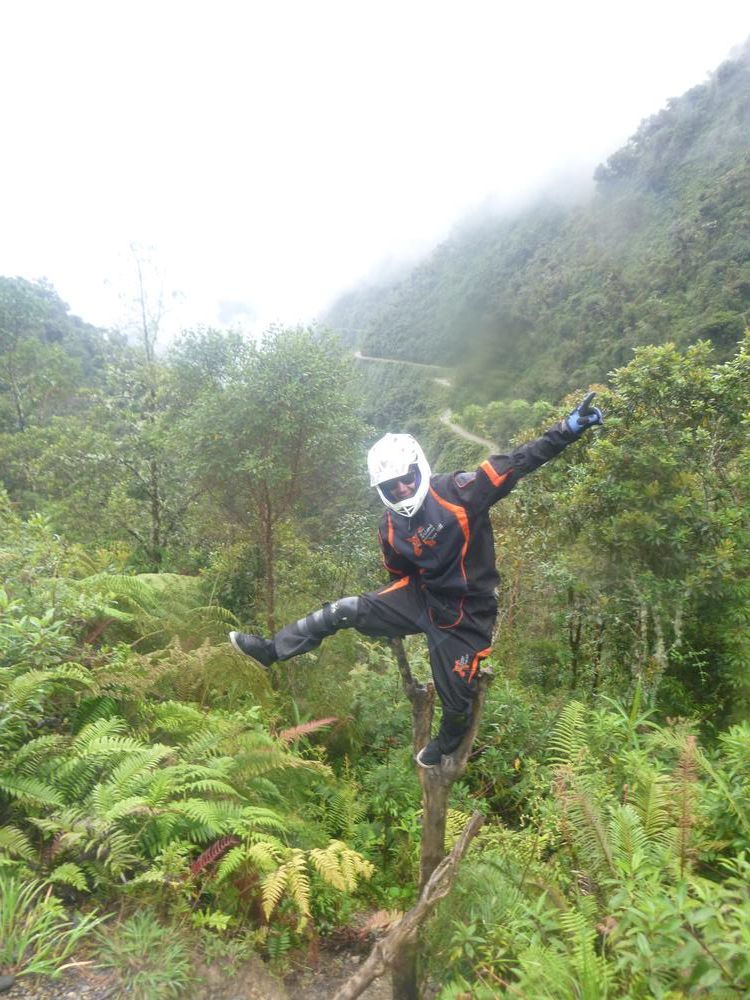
(494, 477)
(475, 662)
(463, 521)
(391, 569)
(396, 585)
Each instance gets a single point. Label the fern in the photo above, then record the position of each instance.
(29, 790)
(568, 744)
(629, 841)
(455, 823)
(592, 974)
(685, 793)
(69, 874)
(297, 732)
(585, 825)
(650, 798)
(340, 866)
(213, 853)
(15, 843)
(339, 807)
(100, 729)
(29, 758)
(23, 691)
(273, 886)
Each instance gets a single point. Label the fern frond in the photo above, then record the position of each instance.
(328, 866)
(157, 832)
(209, 818)
(130, 774)
(135, 805)
(298, 882)
(15, 843)
(210, 785)
(339, 807)
(593, 975)
(585, 827)
(455, 823)
(291, 877)
(272, 888)
(264, 854)
(629, 841)
(69, 874)
(686, 777)
(92, 709)
(262, 818)
(109, 745)
(568, 743)
(213, 853)
(651, 797)
(29, 790)
(297, 732)
(100, 729)
(177, 717)
(75, 777)
(24, 689)
(232, 861)
(340, 866)
(28, 759)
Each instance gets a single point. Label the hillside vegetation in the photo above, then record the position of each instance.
(529, 305)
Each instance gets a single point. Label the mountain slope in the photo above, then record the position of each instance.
(556, 297)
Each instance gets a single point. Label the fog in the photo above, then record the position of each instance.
(265, 157)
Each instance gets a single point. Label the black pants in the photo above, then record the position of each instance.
(400, 609)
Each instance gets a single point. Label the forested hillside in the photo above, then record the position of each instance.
(527, 305)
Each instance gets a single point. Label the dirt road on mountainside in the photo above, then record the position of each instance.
(445, 416)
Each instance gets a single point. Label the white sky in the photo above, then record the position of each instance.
(273, 152)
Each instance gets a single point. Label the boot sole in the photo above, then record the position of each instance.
(426, 766)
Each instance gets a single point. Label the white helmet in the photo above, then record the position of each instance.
(392, 457)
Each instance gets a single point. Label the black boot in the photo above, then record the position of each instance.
(260, 649)
(452, 731)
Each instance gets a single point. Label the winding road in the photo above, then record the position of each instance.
(445, 416)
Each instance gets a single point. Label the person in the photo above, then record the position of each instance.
(437, 545)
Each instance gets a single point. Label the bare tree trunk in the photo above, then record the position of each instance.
(386, 951)
(574, 637)
(437, 783)
(156, 526)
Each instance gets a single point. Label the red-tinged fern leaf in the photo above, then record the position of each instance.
(290, 735)
(213, 853)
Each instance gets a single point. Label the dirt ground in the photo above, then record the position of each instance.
(253, 981)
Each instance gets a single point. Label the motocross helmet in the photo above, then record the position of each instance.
(399, 456)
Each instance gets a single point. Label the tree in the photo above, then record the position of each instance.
(44, 355)
(273, 437)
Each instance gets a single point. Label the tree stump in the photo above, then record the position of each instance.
(436, 783)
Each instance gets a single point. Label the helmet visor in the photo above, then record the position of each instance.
(402, 487)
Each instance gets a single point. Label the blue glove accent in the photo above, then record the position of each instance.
(585, 415)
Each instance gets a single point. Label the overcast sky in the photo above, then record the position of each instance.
(272, 153)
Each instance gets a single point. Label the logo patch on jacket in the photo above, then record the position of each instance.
(461, 667)
(424, 537)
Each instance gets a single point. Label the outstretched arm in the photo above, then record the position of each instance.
(497, 476)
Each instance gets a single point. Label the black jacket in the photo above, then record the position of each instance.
(447, 546)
